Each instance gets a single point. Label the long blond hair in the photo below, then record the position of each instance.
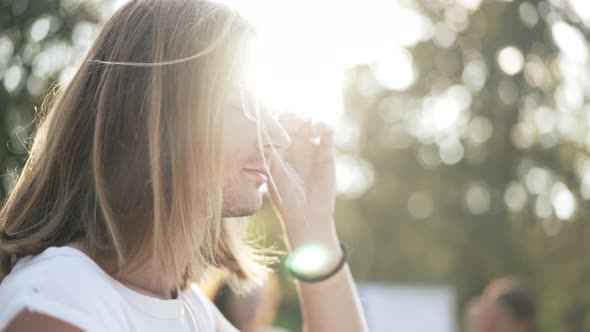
(128, 157)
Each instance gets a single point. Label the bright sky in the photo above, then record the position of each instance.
(304, 46)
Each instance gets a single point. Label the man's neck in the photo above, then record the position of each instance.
(139, 281)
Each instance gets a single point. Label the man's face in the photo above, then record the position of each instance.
(244, 168)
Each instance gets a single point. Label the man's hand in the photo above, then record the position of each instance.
(305, 181)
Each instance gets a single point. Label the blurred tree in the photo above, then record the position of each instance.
(40, 42)
(479, 164)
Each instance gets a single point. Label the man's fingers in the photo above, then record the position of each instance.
(293, 124)
(323, 134)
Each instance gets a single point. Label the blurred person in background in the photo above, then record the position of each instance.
(506, 305)
(136, 174)
(254, 311)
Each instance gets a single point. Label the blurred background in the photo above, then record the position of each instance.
(462, 138)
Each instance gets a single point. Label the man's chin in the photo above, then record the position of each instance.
(244, 209)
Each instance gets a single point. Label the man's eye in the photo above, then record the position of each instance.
(243, 110)
(249, 111)
(274, 114)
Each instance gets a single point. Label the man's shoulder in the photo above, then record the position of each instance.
(62, 283)
(59, 275)
(56, 270)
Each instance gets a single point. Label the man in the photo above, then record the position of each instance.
(506, 305)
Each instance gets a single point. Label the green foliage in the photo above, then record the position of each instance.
(475, 227)
(38, 40)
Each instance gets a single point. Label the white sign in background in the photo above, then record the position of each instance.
(408, 308)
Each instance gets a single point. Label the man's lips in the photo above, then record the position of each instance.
(258, 174)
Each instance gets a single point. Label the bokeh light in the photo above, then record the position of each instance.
(308, 259)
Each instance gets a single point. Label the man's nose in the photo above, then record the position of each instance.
(276, 136)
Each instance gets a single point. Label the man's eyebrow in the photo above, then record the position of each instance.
(240, 85)
(235, 84)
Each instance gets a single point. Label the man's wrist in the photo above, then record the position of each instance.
(324, 235)
(327, 239)
(317, 266)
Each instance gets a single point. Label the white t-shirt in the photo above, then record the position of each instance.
(65, 283)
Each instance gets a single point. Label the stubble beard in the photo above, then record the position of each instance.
(234, 206)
